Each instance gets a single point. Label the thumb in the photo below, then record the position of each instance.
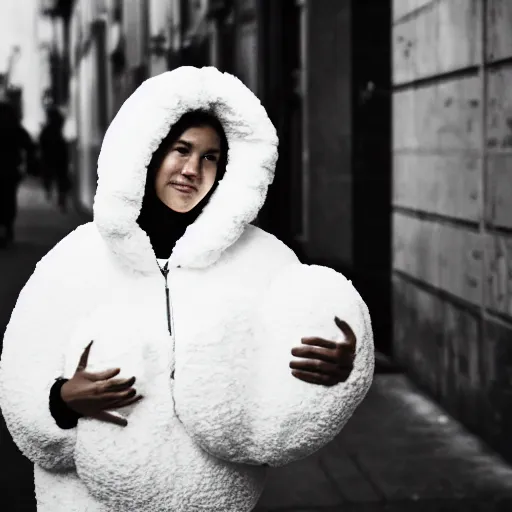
(347, 331)
(107, 374)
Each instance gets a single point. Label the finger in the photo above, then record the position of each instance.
(118, 384)
(82, 364)
(105, 375)
(125, 403)
(319, 342)
(316, 366)
(111, 418)
(313, 378)
(110, 384)
(345, 353)
(347, 331)
(308, 351)
(344, 374)
(110, 397)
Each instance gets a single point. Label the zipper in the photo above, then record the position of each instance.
(164, 272)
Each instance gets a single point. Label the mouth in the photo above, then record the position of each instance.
(181, 187)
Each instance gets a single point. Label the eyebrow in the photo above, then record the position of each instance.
(190, 145)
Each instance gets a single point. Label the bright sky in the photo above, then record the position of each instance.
(13, 27)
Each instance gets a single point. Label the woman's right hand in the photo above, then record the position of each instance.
(91, 394)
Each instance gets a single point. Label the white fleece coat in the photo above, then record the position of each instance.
(240, 300)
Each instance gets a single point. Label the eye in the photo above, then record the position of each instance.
(211, 158)
(182, 150)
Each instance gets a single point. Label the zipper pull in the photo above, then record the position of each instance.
(165, 270)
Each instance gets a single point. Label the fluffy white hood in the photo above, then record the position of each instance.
(136, 132)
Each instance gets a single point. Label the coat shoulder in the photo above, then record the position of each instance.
(262, 244)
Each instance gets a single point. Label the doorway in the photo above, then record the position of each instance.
(372, 162)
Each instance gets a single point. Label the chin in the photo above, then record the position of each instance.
(181, 209)
(182, 206)
(181, 203)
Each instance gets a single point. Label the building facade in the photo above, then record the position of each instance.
(452, 214)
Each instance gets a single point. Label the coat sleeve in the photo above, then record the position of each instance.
(45, 314)
(275, 418)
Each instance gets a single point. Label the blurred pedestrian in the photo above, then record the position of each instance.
(16, 147)
(55, 158)
(244, 358)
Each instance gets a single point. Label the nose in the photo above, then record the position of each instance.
(192, 167)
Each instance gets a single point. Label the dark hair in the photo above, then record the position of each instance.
(192, 119)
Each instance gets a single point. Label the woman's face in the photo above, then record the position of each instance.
(188, 170)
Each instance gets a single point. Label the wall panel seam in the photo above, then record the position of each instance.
(437, 218)
(438, 292)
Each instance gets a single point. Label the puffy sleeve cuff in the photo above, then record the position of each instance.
(65, 417)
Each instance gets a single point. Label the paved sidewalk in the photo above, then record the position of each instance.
(398, 453)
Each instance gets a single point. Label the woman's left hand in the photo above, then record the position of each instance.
(324, 361)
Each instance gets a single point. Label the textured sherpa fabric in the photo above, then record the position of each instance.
(240, 300)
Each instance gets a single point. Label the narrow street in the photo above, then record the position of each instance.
(399, 452)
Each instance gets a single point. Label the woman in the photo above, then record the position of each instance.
(176, 324)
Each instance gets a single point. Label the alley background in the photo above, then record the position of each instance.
(395, 122)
